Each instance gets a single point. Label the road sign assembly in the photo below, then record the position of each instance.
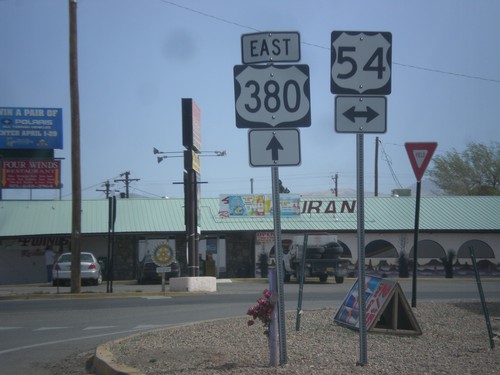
(361, 68)
(273, 100)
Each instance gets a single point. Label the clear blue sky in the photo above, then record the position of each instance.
(138, 58)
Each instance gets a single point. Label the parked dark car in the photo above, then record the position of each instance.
(147, 271)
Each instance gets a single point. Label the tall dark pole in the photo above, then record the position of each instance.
(75, 151)
(190, 209)
(376, 166)
(191, 140)
(111, 243)
(193, 256)
(336, 184)
(415, 248)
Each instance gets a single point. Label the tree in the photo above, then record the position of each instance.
(476, 171)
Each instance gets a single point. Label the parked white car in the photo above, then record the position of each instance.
(90, 269)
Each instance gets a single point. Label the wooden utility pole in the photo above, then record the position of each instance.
(107, 191)
(76, 224)
(127, 181)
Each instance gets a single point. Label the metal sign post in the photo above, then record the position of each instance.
(279, 264)
(301, 282)
(360, 199)
(415, 247)
(481, 295)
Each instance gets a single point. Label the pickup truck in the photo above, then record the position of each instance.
(320, 261)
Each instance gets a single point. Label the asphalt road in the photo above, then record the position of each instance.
(46, 328)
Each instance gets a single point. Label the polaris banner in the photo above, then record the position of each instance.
(31, 128)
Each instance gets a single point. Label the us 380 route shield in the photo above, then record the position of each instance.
(272, 96)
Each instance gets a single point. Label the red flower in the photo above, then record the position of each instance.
(263, 311)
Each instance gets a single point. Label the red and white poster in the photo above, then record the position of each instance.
(31, 174)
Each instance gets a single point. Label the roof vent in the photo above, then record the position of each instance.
(401, 192)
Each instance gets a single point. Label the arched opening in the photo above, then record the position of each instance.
(382, 257)
(380, 249)
(481, 249)
(430, 256)
(428, 249)
(483, 253)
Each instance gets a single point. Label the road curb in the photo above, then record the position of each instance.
(105, 363)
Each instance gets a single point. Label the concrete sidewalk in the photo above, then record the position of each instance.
(119, 288)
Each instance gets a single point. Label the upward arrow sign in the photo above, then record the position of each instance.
(274, 145)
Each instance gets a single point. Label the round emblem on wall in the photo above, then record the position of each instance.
(163, 254)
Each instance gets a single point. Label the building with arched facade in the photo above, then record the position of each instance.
(234, 240)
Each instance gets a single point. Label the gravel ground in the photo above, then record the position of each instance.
(454, 340)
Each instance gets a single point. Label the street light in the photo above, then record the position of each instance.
(214, 153)
(180, 154)
(160, 158)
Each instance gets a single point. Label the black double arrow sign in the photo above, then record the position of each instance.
(352, 114)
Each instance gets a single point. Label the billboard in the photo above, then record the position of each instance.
(257, 205)
(31, 174)
(31, 128)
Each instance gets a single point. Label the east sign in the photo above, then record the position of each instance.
(270, 47)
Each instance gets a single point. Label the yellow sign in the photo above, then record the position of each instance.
(196, 162)
(163, 254)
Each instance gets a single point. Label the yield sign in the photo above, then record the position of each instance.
(420, 154)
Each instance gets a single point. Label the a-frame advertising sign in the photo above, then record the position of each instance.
(387, 310)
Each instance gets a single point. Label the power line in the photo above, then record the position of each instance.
(388, 160)
(449, 73)
(220, 19)
(209, 15)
